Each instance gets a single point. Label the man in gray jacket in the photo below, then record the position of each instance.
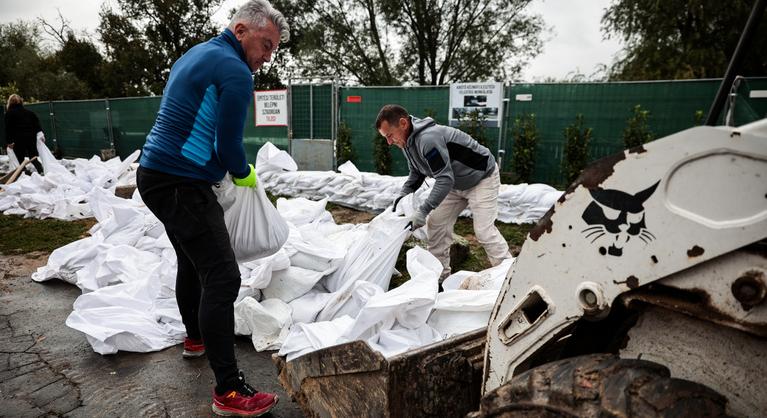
(464, 172)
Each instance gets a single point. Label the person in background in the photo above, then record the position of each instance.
(22, 127)
(195, 141)
(465, 174)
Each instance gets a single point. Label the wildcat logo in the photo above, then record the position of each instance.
(617, 216)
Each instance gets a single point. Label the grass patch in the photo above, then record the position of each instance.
(22, 236)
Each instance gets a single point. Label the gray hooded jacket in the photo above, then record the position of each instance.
(450, 156)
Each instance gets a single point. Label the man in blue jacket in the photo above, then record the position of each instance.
(464, 173)
(195, 141)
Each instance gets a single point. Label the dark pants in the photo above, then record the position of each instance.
(208, 278)
(24, 149)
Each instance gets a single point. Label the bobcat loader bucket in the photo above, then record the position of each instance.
(438, 380)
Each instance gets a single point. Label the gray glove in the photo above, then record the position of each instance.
(417, 220)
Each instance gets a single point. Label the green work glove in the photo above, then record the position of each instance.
(248, 181)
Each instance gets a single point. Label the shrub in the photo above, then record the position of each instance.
(576, 152)
(344, 149)
(525, 135)
(474, 125)
(698, 117)
(637, 131)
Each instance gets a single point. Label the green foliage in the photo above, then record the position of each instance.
(474, 125)
(7, 90)
(81, 58)
(382, 155)
(143, 38)
(21, 236)
(37, 75)
(680, 39)
(576, 152)
(387, 42)
(698, 117)
(525, 135)
(344, 149)
(637, 131)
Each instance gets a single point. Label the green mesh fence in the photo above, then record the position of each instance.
(132, 119)
(80, 128)
(311, 111)
(359, 107)
(606, 108)
(43, 112)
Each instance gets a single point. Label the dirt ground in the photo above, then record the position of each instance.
(14, 266)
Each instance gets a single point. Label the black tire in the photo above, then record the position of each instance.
(601, 385)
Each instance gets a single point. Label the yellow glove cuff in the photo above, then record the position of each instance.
(249, 181)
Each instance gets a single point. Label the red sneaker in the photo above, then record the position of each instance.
(244, 402)
(193, 348)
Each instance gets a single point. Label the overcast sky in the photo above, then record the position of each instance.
(574, 43)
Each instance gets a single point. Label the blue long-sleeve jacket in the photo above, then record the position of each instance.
(198, 131)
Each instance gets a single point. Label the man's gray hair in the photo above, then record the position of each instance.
(259, 12)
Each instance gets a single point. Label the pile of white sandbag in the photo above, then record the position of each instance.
(517, 203)
(63, 191)
(326, 285)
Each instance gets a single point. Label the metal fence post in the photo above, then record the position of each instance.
(110, 136)
(334, 120)
(311, 112)
(290, 117)
(52, 114)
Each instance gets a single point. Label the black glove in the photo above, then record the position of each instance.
(396, 201)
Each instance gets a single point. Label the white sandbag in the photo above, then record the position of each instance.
(291, 283)
(258, 278)
(116, 264)
(492, 278)
(64, 262)
(409, 304)
(255, 227)
(129, 317)
(305, 338)
(267, 322)
(400, 339)
(13, 161)
(460, 311)
(313, 251)
(271, 158)
(247, 292)
(349, 300)
(52, 166)
(306, 307)
(372, 259)
(300, 211)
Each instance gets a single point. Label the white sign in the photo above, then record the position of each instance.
(524, 97)
(483, 98)
(271, 107)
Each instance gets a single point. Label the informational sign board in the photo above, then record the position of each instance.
(271, 107)
(483, 98)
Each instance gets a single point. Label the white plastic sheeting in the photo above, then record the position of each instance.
(517, 203)
(61, 193)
